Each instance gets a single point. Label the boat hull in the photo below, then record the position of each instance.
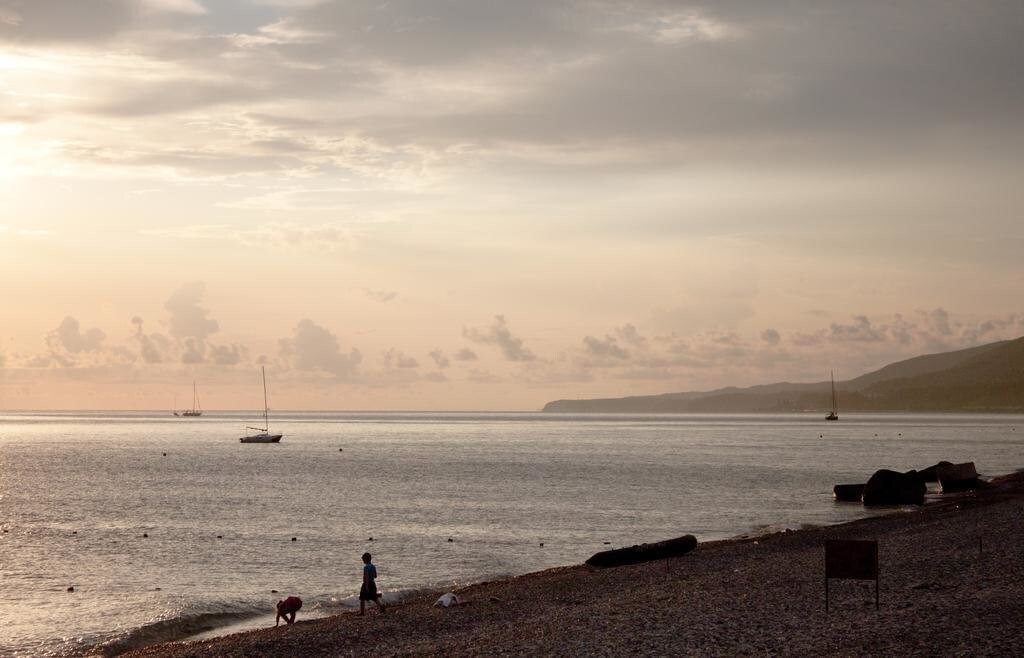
(261, 438)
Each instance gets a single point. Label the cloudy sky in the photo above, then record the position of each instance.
(483, 204)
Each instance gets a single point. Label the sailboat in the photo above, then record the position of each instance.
(196, 410)
(834, 415)
(263, 435)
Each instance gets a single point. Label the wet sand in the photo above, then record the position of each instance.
(941, 593)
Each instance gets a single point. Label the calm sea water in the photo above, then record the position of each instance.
(79, 491)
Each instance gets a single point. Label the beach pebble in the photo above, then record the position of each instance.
(447, 600)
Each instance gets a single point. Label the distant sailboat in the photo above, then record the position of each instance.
(196, 409)
(264, 435)
(835, 409)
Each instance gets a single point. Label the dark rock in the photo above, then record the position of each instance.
(931, 474)
(848, 493)
(893, 488)
(958, 477)
(643, 552)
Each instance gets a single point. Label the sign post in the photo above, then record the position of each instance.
(853, 559)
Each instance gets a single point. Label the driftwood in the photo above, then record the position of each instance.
(643, 552)
(848, 493)
(958, 477)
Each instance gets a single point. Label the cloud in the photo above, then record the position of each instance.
(380, 295)
(629, 334)
(188, 318)
(227, 355)
(314, 348)
(498, 334)
(771, 337)
(440, 360)
(69, 337)
(153, 348)
(396, 359)
(859, 331)
(465, 354)
(606, 347)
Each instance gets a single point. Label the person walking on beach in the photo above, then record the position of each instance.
(286, 609)
(368, 590)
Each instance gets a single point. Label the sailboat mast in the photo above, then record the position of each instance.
(266, 408)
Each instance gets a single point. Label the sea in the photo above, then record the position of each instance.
(169, 528)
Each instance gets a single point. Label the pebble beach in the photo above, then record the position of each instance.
(951, 583)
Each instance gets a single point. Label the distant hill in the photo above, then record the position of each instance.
(985, 378)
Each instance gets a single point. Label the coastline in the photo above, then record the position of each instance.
(942, 591)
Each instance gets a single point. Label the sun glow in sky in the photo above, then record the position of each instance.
(420, 204)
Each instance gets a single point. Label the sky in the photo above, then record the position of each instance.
(487, 205)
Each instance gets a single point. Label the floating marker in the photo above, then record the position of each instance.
(341, 450)
(165, 454)
(542, 543)
(450, 540)
(145, 534)
(273, 591)
(220, 536)
(370, 539)
(294, 539)
(71, 589)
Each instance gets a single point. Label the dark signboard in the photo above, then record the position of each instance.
(851, 558)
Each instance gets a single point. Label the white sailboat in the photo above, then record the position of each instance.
(835, 409)
(263, 433)
(196, 410)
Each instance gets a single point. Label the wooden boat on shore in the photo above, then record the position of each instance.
(263, 434)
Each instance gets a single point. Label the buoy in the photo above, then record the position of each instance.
(273, 591)
(821, 436)
(341, 450)
(165, 454)
(450, 540)
(71, 589)
(370, 539)
(607, 543)
(74, 532)
(220, 536)
(156, 589)
(542, 543)
(145, 534)
(294, 539)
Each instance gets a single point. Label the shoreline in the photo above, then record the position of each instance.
(952, 581)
